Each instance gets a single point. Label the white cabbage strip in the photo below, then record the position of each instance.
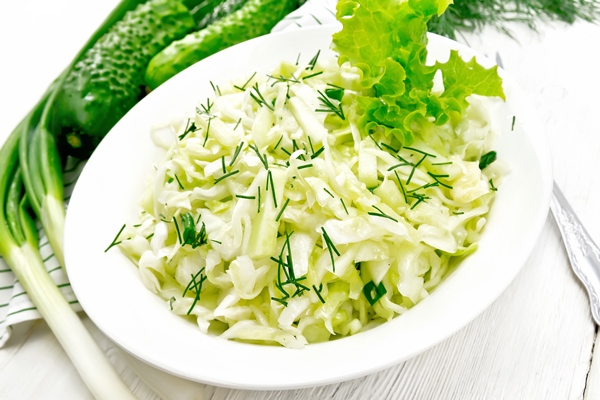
(272, 220)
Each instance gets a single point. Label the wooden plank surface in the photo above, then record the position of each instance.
(535, 342)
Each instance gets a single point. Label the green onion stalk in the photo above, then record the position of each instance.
(31, 187)
(19, 247)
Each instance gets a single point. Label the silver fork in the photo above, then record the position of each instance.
(584, 254)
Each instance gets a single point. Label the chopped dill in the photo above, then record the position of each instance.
(436, 178)
(390, 148)
(188, 128)
(305, 166)
(236, 153)
(215, 88)
(344, 205)
(414, 168)
(330, 248)
(278, 142)
(420, 151)
(318, 292)
(243, 87)
(115, 241)
(311, 75)
(258, 202)
(263, 158)
(196, 286)
(237, 124)
(381, 214)
(241, 196)
(318, 152)
(178, 182)
(474, 15)
(258, 97)
(285, 204)
(329, 107)
(219, 179)
(313, 61)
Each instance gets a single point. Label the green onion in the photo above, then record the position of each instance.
(29, 161)
(374, 292)
(487, 159)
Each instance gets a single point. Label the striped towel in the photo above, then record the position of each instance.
(15, 305)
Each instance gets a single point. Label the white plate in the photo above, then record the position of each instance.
(110, 291)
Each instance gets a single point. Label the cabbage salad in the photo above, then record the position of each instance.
(326, 196)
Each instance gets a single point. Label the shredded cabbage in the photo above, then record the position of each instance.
(326, 197)
(266, 220)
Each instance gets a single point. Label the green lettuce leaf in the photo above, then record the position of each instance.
(387, 41)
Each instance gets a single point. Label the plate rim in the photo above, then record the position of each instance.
(542, 151)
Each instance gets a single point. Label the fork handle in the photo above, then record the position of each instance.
(581, 249)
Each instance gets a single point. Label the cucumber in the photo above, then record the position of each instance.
(108, 79)
(255, 18)
(210, 11)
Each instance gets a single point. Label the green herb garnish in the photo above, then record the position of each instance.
(243, 88)
(487, 159)
(374, 292)
(329, 106)
(116, 241)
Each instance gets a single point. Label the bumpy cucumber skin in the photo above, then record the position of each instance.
(255, 18)
(221, 10)
(108, 80)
